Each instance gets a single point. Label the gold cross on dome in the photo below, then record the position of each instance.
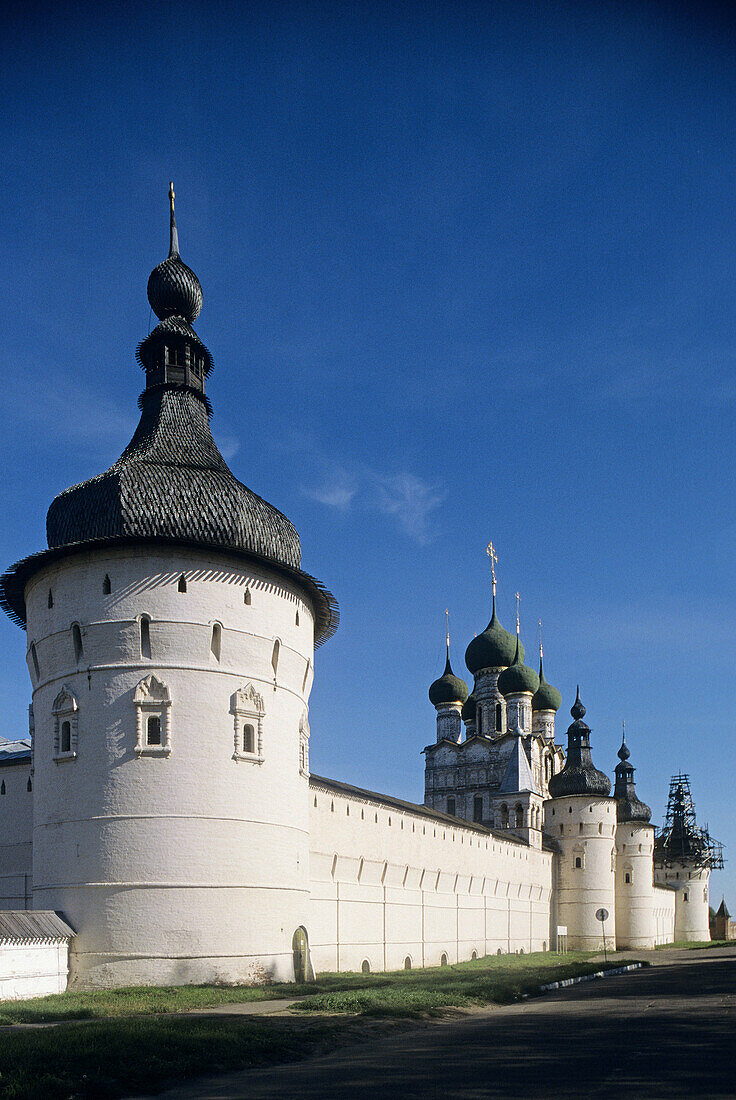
(518, 601)
(447, 618)
(493, 558)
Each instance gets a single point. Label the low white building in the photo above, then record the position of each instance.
(163, 803)
(34, 954)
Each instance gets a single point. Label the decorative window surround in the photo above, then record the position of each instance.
(152, 700)
(304, 745)
(65, 709)
(246, 707)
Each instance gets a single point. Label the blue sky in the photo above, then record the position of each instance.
(468, 275)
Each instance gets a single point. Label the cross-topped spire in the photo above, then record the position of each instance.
(541, 652)
(518, 601)
(447, 620)
(174, 243)
(493, 558)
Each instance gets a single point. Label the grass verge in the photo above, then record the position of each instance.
(114, 1058)
(492, 980)
(694, 945)
(126, 1050)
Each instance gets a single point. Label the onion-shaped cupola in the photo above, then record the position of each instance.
(449, 689)
(494, 648)
(579, 775)
(518, 678)
(545, 697)
(171, 484)
(173, 288)
(628, 806)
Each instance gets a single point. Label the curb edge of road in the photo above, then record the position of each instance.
(551, 986)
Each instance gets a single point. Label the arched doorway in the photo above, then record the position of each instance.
(300, 947)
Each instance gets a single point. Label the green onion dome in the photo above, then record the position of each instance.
(545, 697)
(518, 677)
(494, 648)
(449, 688)
(469, 709)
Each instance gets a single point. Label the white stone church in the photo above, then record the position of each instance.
(163, 808)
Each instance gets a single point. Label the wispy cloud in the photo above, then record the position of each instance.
(228, 446)
(409, 500)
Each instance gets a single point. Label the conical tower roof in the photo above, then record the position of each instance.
(628, 806)
(579, 775)
(171, 484)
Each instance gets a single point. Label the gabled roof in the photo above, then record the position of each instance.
(33, 926)
(723, 911)
(518, 774)
(15, 752)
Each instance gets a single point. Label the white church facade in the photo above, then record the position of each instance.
(162, 805)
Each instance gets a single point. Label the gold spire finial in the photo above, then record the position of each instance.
(541, 654)
(493, 558)
(172, 196)
(447, 618)
(518, 601)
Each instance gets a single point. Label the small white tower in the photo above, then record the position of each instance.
(581, 819)
(684, 856)
(635, 915)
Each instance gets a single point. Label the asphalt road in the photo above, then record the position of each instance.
(669, 1031)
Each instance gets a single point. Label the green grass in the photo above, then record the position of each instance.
(500, 978)
(113, 1058)
(694, 945)
(133, 1044)
(491, 980)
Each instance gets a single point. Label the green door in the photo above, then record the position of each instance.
(300, 949)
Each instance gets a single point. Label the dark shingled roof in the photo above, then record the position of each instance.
(171, 481)
(171, 484)
(579, 775)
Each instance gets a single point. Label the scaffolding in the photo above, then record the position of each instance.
(681, 840)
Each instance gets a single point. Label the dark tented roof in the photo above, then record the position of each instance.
(33, 926)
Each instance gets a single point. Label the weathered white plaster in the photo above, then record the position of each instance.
(185, 864)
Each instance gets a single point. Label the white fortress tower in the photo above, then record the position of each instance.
(684, 856)
(170, 645)
(635, 917)
(581, 819)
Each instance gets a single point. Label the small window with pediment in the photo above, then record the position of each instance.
(65, 712)
(152, 701)
(247, 709)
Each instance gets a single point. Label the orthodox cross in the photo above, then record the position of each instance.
(518, 601)
(493, 558)
(540, 640)
(447, 618)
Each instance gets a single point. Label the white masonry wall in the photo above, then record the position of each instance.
(191, 865)
(389, 885)
(32, 969)
(16, 825)
(636, 922)
(690, 885)
(584, 828)
(664, 914)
